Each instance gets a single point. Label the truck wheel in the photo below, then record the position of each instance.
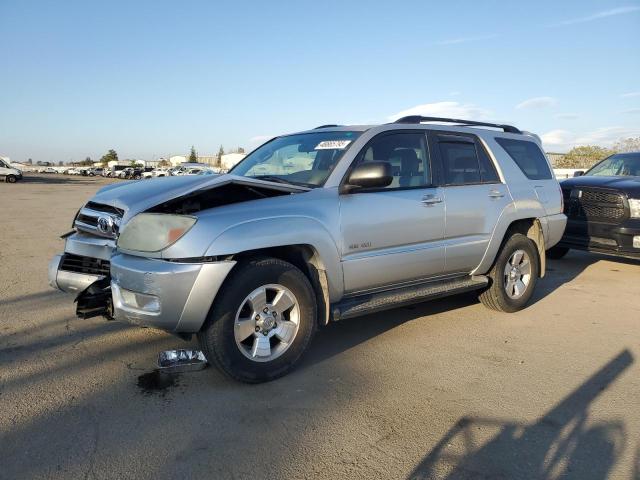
(557, 253)
(11, 179)
(513, 276)
(262, 321)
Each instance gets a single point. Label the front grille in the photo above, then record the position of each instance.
(87, 219)
(595, 205)
(86, 265)
(100, 207)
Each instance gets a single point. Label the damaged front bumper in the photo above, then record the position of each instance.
(171, 296)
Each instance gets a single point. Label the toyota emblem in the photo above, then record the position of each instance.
(105, 225)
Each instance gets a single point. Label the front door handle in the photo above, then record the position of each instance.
(496, 194)
(431, 200)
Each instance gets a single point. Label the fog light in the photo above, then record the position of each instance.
(141, 301)
(636, 241)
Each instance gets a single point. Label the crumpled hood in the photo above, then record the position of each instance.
(138, 196)
(628, 185)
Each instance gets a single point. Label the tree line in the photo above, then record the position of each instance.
(587, 156)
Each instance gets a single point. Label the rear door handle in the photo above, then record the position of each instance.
(431, 200)
(496, 194)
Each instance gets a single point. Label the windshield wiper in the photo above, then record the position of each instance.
(274, 178)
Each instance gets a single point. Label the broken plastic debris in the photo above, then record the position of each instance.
(177, 361)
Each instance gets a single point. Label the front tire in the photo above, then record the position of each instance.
(11, 179)
(262, 321)
(514, 275)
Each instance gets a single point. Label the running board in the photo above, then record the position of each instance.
(398, 297)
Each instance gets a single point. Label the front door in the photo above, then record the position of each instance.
(395, 234)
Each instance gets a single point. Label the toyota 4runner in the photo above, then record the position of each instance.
(318, 226)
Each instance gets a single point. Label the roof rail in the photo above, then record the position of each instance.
(327, 126)
(472, 123)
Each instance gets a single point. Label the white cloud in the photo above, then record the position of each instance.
(597, 16)
(556, 138)
(630, 95)
(537, 102)
(456, 41)
(567, 116)
(632, 111)
(563, 140)
(444, 109)
(260, 138)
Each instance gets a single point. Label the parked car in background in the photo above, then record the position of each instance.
(50, 170)
(356, 220)
(9, 173)
(603, 208)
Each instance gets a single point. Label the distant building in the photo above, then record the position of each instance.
(211, 160)
(177, 160)
(229, 160)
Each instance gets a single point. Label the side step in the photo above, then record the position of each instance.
(397, 297)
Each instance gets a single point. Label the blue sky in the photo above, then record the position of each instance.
(151, 78)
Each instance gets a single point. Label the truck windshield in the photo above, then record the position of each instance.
(305, 159)
(619, 165)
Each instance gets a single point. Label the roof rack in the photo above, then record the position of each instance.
(464, 123)
(327, 126)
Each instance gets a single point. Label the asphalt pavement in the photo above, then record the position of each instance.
(446, 389)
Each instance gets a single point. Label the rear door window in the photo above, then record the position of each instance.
(528, 157)
(464, 160)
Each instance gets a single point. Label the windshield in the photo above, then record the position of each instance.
(304, 159)
(619, 165)
(3, 164)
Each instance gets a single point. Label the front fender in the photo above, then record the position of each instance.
(281, 231)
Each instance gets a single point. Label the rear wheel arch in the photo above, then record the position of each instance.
(532, 229)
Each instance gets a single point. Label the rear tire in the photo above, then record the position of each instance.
(242, 336)
(514, 275)
(556, 253)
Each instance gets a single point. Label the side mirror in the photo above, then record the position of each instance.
(369, 175)
(578, 173)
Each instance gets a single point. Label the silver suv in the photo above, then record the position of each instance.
(318, 226)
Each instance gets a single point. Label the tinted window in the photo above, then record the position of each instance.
(487, 169)
(459, 161)
(407, 154)
(528, 157)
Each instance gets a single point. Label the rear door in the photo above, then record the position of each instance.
(394, 234)
(474, 195)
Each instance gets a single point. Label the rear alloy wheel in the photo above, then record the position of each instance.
(513, 276)
(262, 321)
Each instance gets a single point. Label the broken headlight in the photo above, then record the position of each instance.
(152, 232)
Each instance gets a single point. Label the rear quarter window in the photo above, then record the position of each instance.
(528, 157)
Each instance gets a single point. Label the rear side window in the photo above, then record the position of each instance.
(528, 157)
(464, 161)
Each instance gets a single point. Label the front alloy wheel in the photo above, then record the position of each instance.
(261, 322)
(267, 323)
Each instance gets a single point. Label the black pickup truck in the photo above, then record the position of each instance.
(603, 209)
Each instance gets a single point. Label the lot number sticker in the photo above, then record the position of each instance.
(333, 145)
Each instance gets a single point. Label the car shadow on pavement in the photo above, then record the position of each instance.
(338, 337)
(59, 179)
(564, 442)
(567, 269)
